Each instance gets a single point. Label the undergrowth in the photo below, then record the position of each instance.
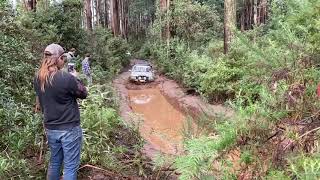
(269, 77)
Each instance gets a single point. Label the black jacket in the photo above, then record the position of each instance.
(59, 101)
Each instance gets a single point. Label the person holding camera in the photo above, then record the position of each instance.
(57, 92)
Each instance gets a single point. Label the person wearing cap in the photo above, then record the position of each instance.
(86, 68)
(57, 92)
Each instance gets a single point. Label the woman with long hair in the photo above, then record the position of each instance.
(57, 92)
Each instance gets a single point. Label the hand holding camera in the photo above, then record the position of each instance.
(72, 70)
(74, 73)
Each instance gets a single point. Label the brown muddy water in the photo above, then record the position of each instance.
(161, 123)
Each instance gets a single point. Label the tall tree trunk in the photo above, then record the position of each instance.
(101, 12)
(124, 18)
(115, 24)
(264, 10)
(248, 14)
(255, 12)
(97, 8)
(106, 13)
(88, 14)
(164, 9)
(47, 3)
(242, 16)
(31, 5)
(121, 18)
(229, 22)
(251, 15)
(255, 18)
(259, 12)
(168, 23)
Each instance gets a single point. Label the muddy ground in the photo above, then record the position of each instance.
(165, 106)
(272, 151)
(166, 121)
(160, 109)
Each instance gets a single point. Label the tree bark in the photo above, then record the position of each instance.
(255, 12)
(264, 10)
(168, 23)
(121, 17)
(106, 13)
(125, 10)
(229, 22)
(98, 7)
(242, 16)
(164, 9)
(88, 14)
(31, 5)
(247, 15)
(115, 24)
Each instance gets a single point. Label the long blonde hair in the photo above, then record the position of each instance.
(47, 70)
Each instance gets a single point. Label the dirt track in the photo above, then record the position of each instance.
(187, 104)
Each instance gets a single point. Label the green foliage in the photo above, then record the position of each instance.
(246, 157)
(270, 73)
(195, 68)
(98, 124)
(194, 22)
(21, 130)
(306, 168)
(106, 137)
(18, 138)
(220, 78)
(109, 52)
(139, 9)
(201, 152)
(59, 23)
(22, 39)
(276, 174)
(16, 58)
(12, 168)
(278, 54)
(218, 4)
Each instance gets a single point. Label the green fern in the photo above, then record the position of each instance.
(201, 152)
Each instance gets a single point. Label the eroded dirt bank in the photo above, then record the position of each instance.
(161, 109)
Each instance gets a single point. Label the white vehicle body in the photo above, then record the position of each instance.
(142, 73)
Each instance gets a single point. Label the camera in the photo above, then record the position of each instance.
(71, 67)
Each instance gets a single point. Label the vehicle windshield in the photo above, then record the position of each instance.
(141, 69)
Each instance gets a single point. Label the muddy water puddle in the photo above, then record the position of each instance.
(161, 123)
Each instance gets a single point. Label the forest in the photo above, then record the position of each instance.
(258, 61)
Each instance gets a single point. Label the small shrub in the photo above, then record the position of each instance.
(305, 168)
(200, 152)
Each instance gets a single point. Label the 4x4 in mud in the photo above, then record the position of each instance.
(142, 73)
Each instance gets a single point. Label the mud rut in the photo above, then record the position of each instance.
(162, 110)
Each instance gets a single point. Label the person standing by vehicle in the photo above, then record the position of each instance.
(86, 68)
(57, 92)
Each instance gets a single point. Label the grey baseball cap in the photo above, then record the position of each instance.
(55, 50)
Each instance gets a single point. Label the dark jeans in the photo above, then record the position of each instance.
(65, 147)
